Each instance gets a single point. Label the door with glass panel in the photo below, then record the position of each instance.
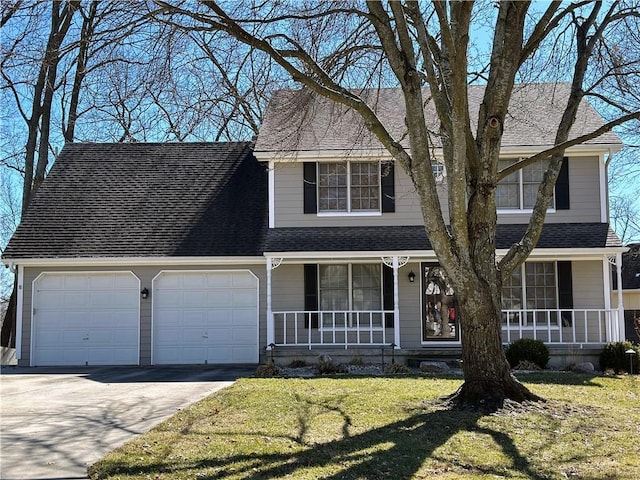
(440, 320)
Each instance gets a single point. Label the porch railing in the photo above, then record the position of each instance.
(349, 328)
(562, 326)
(337, 328)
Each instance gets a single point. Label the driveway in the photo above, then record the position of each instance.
(55, 422)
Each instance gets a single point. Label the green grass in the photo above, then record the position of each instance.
(391, 428)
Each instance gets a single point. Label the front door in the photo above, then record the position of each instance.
(439, 307)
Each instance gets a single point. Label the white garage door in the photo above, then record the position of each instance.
(205, 317)
(86, 319)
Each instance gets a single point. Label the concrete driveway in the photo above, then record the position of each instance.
(54, 423)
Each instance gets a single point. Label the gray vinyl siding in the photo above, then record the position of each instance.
(584, 185)
(289, 203)
(584, 195)
(146, 275)
(588, 284)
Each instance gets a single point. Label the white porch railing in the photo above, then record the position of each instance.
(337, 328)
(561, 326)
(348, 328)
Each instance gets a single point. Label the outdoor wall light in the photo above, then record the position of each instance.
(144, 293)
(412, 276)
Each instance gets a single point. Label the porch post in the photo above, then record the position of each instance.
(621, 323)
(396, 305)
(271, 332)
(611, 328)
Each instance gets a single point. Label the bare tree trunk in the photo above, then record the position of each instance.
(8, 331)
(488, 381)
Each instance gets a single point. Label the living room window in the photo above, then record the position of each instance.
(349, 187)
(349, 287)
(518, 191)
(532, 286)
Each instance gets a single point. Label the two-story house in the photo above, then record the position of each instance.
(310, 242)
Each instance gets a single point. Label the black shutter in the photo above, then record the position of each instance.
(388, 187)
(565, 291)
(562, 186)
(387, 295)
(311, 294)
(309, 173)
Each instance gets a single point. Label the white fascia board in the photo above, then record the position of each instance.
(413, 254)
(320, 155)
(429, 255)
(135, 261)
(550, 254)
(331, 155)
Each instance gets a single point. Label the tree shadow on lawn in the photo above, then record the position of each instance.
(563, 378)
(397, 450)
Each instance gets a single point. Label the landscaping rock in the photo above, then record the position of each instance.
(434, 367)
(586, 367)
(324, 358)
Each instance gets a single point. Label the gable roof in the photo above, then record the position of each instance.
(298, 120)
(147, 199)
(408, 238)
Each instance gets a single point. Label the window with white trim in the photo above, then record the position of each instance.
(349, 187)
(532, 286)
(519, 190)
(345, 288)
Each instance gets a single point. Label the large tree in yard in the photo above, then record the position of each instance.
(427, 49)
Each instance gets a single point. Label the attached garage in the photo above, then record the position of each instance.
(85, 318)
(204, 317)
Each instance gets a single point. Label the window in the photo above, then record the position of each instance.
(438, 171)
(532, 287)
(518, 191)
(352, 287)
(349, 187)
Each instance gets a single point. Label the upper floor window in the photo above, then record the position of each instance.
(519, 190)
(349, 187)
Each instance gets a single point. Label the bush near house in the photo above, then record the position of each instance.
(614, 357)
(527, 350)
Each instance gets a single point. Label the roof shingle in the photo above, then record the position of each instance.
(146, 199)
(298, 120)
(407, 238)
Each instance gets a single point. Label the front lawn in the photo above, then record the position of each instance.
(391, 428)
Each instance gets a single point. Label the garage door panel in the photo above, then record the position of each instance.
(204, 310)
(76, 282)
(244, 298)
(86, 318)
(241, 280)
(220, 299)
(216, 280)
(242, 318)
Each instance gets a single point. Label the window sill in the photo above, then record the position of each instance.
(511, 211)
(349, 214)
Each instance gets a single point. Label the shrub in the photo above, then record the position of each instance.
(613, 357)
(528, 349)
(328, 367)
(268, 370)
(297, 363)
(396, 368)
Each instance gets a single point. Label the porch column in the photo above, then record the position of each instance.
(396, 305)
(621, 324)
(611, 327)
(271, 331)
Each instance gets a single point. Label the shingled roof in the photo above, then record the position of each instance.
(147, 199)
(406, 238)
(298, 120)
